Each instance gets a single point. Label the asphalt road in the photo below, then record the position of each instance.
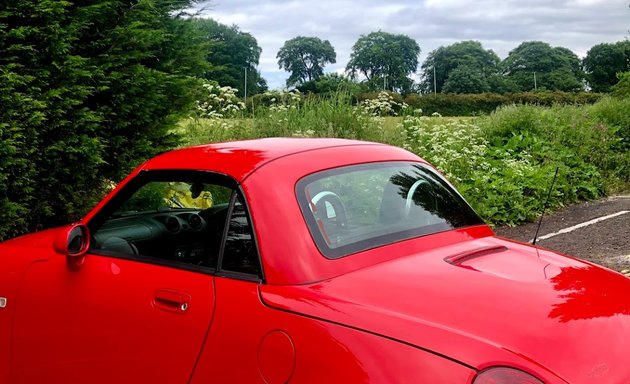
(598, 231)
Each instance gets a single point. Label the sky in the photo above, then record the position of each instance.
(500, 25)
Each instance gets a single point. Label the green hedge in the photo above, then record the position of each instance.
(87, 91)
(486, 103)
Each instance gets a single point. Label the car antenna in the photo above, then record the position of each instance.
(555, 175)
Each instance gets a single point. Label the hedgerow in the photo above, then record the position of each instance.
(502, 163)
(87, 91)
(486, 103)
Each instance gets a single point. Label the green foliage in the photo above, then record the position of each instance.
(464, 79)
(502, 163)
(384, 58)
(486, 103)
(305, 58)
(613, 114)
(384, 104)
(536, 64)
(231, 52)
(288, 114)
(218, 102)
(330, 84)
(88, 90)
(622, 88)
(603, 62)
(463, 67)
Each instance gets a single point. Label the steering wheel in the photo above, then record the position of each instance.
(412, 191)
(329, 208)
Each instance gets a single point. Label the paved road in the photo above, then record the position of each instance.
(598, 231)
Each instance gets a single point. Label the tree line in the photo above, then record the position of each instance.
(386, 61)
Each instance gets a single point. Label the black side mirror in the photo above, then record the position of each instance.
(73, 242)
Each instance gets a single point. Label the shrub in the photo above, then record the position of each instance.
(218, 102)
(486, 103)
(384, 104)
(88, 90)
(504, 163)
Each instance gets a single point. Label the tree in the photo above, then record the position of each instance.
(305, 58)
(384, 60)
(88, 90)
(231, 53)
(465, 79)
(535, 64)
(330, 84)
(603, 62)
(445, 61)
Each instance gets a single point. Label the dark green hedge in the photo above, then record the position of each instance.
(485, 103)
(88, 89)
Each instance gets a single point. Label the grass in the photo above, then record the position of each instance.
(502, 163)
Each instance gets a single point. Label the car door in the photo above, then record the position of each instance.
(124, 316)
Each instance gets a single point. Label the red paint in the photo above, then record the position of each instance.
(435, 309)
(276, 357)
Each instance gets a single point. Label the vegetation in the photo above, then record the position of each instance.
(385, 59)
(305, 58)
(535, 64)
(603, 62)
(502, 163)
(486, 103)
(232, 56)
(88, 90)
(463, 67)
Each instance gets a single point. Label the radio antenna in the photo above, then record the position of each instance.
(555, 175)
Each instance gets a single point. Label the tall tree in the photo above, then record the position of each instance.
(535, 64)
(233, 56)
(603, 62)
(445, 61)
(305, 58)
(385, 60)
(88, 89)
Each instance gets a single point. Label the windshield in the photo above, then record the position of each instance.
(354, 208)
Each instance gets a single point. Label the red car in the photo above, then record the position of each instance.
(301, 261)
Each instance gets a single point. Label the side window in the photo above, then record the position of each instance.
(174, 217)
(240, 253)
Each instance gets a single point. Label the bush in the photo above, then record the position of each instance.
(216, 102)
(506, 182)
(622, 88)
(88, 90)
(486, 103)
(504, 163)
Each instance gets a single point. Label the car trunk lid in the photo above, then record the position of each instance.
(481, 300)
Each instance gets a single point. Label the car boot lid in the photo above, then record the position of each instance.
(484, 302)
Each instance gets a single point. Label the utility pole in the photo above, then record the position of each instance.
(434, 81)
(245, 84)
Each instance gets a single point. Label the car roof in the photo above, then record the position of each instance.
(239, 159)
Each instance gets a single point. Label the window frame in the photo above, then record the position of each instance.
(146, 176)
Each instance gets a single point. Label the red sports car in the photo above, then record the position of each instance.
(301, 261)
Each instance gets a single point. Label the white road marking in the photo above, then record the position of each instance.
(581, 225)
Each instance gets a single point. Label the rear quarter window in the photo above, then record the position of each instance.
(354, 208)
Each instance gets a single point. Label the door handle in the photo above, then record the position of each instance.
(171, 300)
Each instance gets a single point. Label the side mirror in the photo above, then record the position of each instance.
(73, 242)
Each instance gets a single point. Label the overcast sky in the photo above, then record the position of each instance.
(500, 25)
